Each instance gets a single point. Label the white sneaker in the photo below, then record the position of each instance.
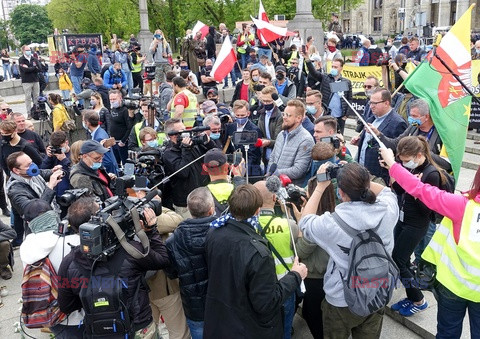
(3, 291)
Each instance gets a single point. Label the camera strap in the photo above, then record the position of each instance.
(140, 233)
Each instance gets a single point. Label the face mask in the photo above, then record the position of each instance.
(28, 53)
(477, 51)
(7, 138)
(184, 68)
(280, 76)
(64, 150)
(369, 92)
(208, 68)
(96, 165)
(115, 104)
(268, 107)
(241, 121)
(334, 72)
(157, 36)
(414, 122)
(331, 49)
(93, 103)
(214, 100)
(215, 136)
(338, 194)
(152, 143)
(255, 79)
(311, 109)
(411, 164)
(33, 170)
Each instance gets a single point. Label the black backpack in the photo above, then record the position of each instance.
(448, 186)
(105, 304)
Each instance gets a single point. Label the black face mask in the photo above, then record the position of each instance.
(7, 138)
(214, 100)
(280, 76)
(208, 68)
(268, 107)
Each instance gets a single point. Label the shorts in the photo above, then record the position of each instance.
(161, 70)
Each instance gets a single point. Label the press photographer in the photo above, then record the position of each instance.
(58, 154)
(114, 77)
(184, 147)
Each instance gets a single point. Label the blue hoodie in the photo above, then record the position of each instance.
(92, 62)
(110, 78)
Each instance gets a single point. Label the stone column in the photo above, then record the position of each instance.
(144, 36)
(462, 6)
(444, 13)
(307, 24)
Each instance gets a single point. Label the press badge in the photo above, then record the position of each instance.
(401, 215)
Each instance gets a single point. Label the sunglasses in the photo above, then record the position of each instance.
(367, 86)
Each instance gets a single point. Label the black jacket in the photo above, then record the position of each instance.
(181, 184)
(186, 249)
(29, 73)
(82, 176)
(244, 297)
(23, 146)
(325, 80)
(75, 265)
(120, 124)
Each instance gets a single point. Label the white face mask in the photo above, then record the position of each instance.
(410, 164)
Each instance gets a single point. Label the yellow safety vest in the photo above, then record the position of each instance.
(190, 112)
(221, 190)
(293, 56)
(138, 127)
(278, 233)
(137, 67)
(242, 49)
(458, 265)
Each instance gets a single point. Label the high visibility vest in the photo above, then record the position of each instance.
(458, 265)
(137, 67)
(221, 191)
(242, 49)
(293, 56)
(138, 127)
(190, 112)
(278, 233)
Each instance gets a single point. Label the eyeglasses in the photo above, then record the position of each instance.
(372, 103)
(311, 103)
(285, 115)
(367, 86)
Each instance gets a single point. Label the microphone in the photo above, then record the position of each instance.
(274, 185)
(272, 170)
(278, 101)
(285, 180)
(259, 143)
(152, 194)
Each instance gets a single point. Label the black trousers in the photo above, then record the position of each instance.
(137, 80)
(312, 306)
(3, 199)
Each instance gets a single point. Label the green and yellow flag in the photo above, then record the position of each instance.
(449, 102)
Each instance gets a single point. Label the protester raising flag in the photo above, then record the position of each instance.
(226, 59)
(200, 27)
(449, 102)
(271, 32)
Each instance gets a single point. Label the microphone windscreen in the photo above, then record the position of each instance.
(274, 96)
(273, 184)
(259, 143)
(285, 180)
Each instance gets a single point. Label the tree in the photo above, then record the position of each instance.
(30, 23)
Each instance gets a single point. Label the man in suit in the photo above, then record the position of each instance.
(388, 122)
(242, 123)
(91, 122)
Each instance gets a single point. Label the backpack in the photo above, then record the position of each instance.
(39, 294)
(372, 274)
(448, 186)
(105, 302)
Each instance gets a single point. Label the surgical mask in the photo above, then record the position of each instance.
(268, 107)
(114, 104)
(255, 79)
(96, 165)
(411, 164)
(311, 109)
(152, 143)
(33, 170)
(214, 136)
(414, 122)
(241, 121)
(477, 50)
(334, 72)
(369, 92)
(157, 36)
(93, 103)
(28, 53)
(7, 138)
(64, 150)
(280, 76)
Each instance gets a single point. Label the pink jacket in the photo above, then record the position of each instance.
(445, 203)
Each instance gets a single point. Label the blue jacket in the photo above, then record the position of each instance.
(92, 62)
(110, 78)
(365, 60)
(109, 161)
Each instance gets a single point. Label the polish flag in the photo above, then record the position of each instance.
(200, 26)
(225, 62)
(271, 32)
(262, 15)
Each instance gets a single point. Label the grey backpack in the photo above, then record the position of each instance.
(372, 274)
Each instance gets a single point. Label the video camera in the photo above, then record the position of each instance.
(330, 173)
(150, 71)
(331, 140)
(148, 164)
(133, 102)
(196, 134)
(39, 109)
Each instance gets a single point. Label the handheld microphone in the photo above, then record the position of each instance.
(274, 185)
(278, 101)
(259, 143)
(285, 180)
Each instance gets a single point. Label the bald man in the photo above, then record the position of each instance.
(276, 230)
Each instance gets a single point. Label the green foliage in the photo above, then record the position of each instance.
(30, 23)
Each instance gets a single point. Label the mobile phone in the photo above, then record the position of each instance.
(129, 169)
(245, 137)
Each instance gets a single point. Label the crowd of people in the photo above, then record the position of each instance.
(232, 254)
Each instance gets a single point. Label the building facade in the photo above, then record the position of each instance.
(382, 18)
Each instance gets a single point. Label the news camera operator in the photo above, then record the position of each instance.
(134, 142)
(135, 304)
(89, 172)
(180, 151)
(114, 77)
(58, 154)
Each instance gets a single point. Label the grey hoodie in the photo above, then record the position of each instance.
(326, 233)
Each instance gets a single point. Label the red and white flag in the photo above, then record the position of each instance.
(200, 27)
(271, 32)
(262, 15)
(225, 62)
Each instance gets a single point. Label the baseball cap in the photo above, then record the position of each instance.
(215, 158)
(92, 146)
(280, 68)
(208, 106)
(212, 90)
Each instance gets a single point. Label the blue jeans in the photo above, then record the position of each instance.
(66, 95)
(45, 74)
(267, 52)
(424, 242)
(130, 83)
(450, 314)
(289, 313)
(196, 328)
(243, 60)
(6, 70)
(77, 86)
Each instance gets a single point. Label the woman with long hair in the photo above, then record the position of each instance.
(97, 105)
(453, 248)
(414, 153)
(59, 112)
